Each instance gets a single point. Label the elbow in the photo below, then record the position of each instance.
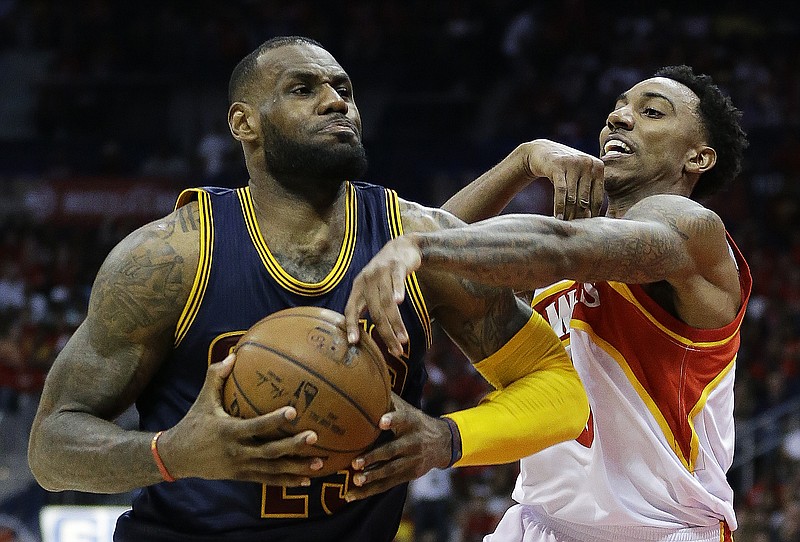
(44, 482)
(40, 473)
(38, 463)
(44, 477)
(35, 463)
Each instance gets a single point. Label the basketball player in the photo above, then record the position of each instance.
(648, 299)
(172, 299)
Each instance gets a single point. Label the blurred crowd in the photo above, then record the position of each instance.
(136, 91)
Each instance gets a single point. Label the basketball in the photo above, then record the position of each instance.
(300, 357)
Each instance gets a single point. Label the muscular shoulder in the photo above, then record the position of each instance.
(700, 228)
(142, 286)
(674, 209)
(707, 292)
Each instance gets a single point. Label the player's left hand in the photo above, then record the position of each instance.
(577, 177)
(420, 444)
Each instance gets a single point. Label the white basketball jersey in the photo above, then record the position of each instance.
(660, 435)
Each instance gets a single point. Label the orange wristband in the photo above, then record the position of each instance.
(159, 463)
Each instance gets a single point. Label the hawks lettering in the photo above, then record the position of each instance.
(559, 311)
(559, 315)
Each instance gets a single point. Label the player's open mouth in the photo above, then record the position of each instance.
(614, 148)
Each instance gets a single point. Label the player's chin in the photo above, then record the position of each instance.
(616, 172)
(620, 159)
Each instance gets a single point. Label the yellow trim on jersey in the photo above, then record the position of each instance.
(701, 403)
(329, 485)
(274, 268)
(648, 401)
(550, 290)
(204, 263)
(412, 285)
(186, 195)
(418, 302)
(625, 291)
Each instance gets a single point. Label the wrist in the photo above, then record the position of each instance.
(417, 242)
(455, 441)
(528, 152)
(523, 153)
(166, 475)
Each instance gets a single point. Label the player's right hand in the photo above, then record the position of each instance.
(209, 443)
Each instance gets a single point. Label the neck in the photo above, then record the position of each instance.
(621, 199)
(304, 234)
(318, 193)
(288, 210)
(618, 206)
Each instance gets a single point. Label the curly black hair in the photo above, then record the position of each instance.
(720, 119)
(242, 74)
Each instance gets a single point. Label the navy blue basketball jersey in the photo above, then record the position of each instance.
(239, 282)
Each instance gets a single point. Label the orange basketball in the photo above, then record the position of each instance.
(301, 357)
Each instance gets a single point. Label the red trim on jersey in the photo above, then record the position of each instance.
(725, 535)
(674, 365)
(673, 375)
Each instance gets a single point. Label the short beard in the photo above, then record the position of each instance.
(300, 167)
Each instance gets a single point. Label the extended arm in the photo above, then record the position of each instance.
(662, 239)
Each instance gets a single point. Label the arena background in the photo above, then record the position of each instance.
(108, 109)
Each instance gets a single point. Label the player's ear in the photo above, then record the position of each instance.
(243, 121)
(701, 159)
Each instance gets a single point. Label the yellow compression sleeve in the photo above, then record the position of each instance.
(538, 401)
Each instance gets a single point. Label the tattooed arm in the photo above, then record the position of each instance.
(478, 318)
(668, 243)
(457, 303)
(136, 301)
(663, 241)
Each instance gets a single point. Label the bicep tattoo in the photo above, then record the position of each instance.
(661, 249)
(138, 291)
(189, 218)
(641, 258)
(143, 284)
